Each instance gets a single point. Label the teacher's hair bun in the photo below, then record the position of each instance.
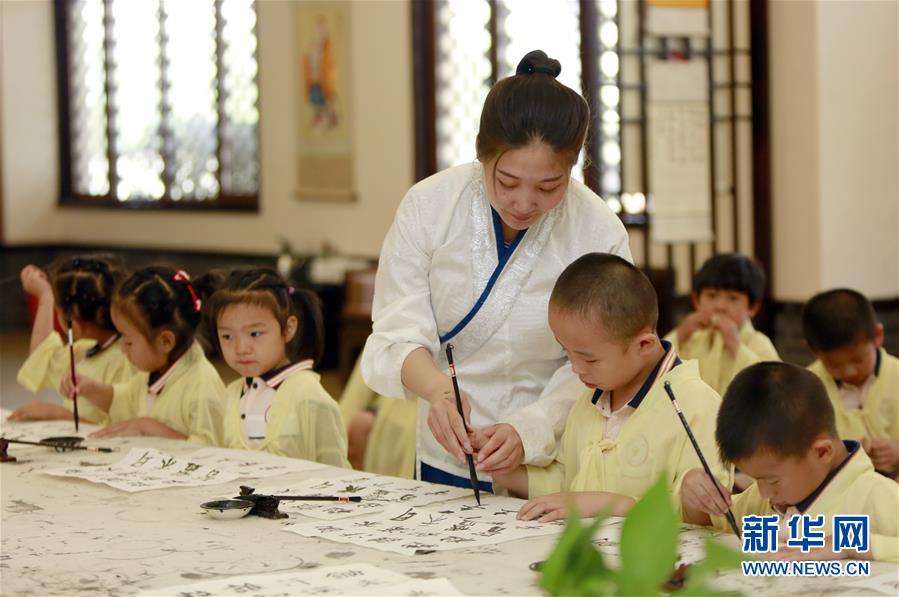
(537, 61)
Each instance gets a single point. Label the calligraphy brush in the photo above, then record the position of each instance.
(74, 378)
(312, 498)
(18, 277)
(62, 447)
(472, 474)
(730, 515)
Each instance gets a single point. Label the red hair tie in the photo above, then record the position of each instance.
(181, 276)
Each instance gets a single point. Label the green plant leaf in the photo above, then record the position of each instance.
(717, 557)
(575, 566)
(649, 542)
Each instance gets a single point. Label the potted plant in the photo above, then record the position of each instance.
(649, 545)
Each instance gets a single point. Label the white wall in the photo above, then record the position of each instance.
(858, 149)
(382, 114)
(834, 69)
(834, 98)
(794, 139)
(30, 162)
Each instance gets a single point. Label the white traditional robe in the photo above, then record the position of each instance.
(436, 260)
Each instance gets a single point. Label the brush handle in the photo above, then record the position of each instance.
(705, 465)
(316, 498)
(472, 472)
(74, 378)
(62, 447)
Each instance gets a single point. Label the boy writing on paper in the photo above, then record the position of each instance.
(623, 432)
(777, 425)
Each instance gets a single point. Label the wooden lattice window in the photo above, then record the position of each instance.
(158, 103)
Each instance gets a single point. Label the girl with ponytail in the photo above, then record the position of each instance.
(272, 335)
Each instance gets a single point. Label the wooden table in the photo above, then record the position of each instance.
(63, 536)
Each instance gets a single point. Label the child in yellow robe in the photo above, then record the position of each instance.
(380, 430)
(77, 290)
(861, 378)
(727, 293)
(180, 394)
(777, 425)
(271, 334)
(623, 432)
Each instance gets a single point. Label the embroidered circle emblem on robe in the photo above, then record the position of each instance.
(637, 451)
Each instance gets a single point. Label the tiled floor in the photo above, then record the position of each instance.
(14, 349)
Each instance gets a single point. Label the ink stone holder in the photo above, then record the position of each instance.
(265, 506)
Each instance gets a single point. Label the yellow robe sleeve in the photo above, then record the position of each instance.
(391, 445)
(755, 347)
(308, 425)
(543, 480)
(231, 434)
(202, 405)
(356, 395)
(47, 363)
(390, 449)
(87, 411)
(878, 497)
(885, 548)
(126, 397)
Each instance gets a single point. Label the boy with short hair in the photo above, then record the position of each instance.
(861, 379)
(623, 432)
(727, 292)
(776, 425)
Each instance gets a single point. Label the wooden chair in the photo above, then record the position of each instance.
(355, 318)
(663, 282)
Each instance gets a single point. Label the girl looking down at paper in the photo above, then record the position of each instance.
(157, 311)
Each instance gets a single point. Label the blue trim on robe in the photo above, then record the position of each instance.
(852, 447)
(435, 475)
(503, 254)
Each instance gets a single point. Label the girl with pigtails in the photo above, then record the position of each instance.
(77, 292)
(271, 334)
(180, 395)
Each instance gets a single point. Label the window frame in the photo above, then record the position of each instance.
(424, 36)
(226, 202)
